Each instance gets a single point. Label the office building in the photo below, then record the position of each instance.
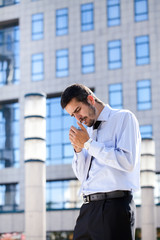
(113, 47)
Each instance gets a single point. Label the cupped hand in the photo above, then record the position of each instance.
(78, 136)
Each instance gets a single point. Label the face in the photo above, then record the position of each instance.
(84, 113)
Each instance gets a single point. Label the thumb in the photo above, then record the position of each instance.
(81, 126)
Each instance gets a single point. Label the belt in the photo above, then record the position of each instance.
(105, 195)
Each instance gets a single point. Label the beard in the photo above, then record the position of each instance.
(91, 123)
(91, 116)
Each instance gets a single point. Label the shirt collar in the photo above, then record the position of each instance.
(104, 115)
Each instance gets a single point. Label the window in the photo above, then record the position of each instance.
(59, 149)
(137, 197)
(9, 197)
(144, 95)
(142, 50)
(37, 67)
(87, 19)
(59, 235)
(113, 12)
(138, 234)
(9, 57)
(115, 95)
(114, 54)
(61, 22)
(88, 59)
(146, 131)
(62, 64)
(62, 194)
(37, 26)
(9, 135)
(140, 10)
(158, 233)
(4, 3)
(157, 190)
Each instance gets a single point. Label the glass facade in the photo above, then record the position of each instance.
(157, 188)
(62, 63)
(37, 67)
(37, 26)
(113, 13)
(9, 135)
(114, 54)
(9, 55)
(9, 197)
(88, 65)
(61, 22)
(105, 18)
(59, 149)
(5, 3)
(144, 101)
(116, 95)
(142, 50)
(137, 197)
(140, 10)
(146, 131)
(87, 17)
(62, 235)
(62, 194)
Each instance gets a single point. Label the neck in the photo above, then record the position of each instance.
(99, 107)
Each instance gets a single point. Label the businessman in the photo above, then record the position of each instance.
(106, 162)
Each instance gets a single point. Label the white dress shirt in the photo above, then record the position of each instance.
(116, 154)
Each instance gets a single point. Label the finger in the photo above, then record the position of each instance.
(71, 142)
(71, 138)
(73, 129)
(72, 132)
(81, 126)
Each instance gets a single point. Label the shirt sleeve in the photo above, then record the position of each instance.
(78, 164)
(123, 153)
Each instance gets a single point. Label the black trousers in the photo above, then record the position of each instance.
(110, 219)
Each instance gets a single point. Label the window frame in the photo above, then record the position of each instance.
(37, 35)
(11, 59)
(14, 207)
(85, 25)
(59, 16)
(60, 70)
(120, 91)
(61, 186)
(87, 68)
(138, 16)
(58, 125)
(146, 134)
(14, 3)
(14, 135)
(116, 21)
(140, 88)
(33, 62)
(112, 63)
(142, 59)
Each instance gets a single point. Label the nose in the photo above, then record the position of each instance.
(78, 117)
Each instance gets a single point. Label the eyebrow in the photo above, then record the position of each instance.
(74, 111)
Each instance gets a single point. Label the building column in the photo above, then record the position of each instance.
(35, 171)
(147, 189)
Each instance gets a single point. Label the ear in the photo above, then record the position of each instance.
(91, 99)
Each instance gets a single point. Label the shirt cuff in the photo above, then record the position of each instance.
(77, 155)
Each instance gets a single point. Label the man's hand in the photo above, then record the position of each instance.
(78, 137)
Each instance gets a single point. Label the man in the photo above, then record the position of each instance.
(106, 162)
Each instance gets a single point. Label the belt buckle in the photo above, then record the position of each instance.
(85, 199)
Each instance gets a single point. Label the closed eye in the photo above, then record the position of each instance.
(76, 111)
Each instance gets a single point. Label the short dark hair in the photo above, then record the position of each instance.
(78, 91)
